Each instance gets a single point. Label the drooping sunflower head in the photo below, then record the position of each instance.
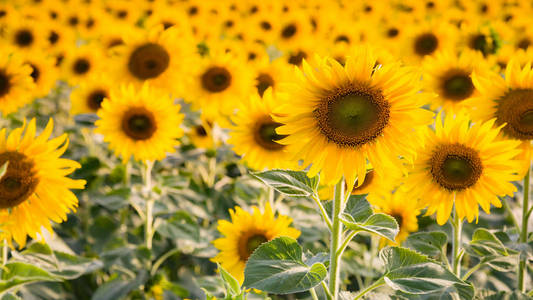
(245, 233)
(254, 135)
(466, 165)
(339, 117)
(450, 77)
(143, 123)
(34, 183)
(16, 83)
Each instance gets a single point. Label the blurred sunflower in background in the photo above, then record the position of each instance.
(16, 83)
(245, 233)
(34, 189)
(463, 165)
(43, 73)
(143, 123)
(89, 95)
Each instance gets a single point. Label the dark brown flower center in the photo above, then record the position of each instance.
(5, 84)
(95, 99)
(216, 79)
(480, 43)
(524, 43)
(457, 85)
(426, 44)
(516, 109)
(148, 61)
(288, 31)
(20, 180)
(264, 81)
(399, 218)
(342, 38)
(369, 178)
(73, 21)
(352, 116)
(139, 124)
(200, 130)
(115, 42)
(35, 72)
(24, 38)
(455, 167)
(392, 32)
(266, 25)
(265, 134)
(53, 37)
(81, 66)
(168, 24)
(248, 244)
(297, 58)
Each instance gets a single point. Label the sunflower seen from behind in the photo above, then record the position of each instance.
(34, 189)
(16, 83)
(245, 233)
(337, 118)
(143, 123)
(254, 135)
(463, 164)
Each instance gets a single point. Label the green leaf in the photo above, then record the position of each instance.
(10, 296)
(413, 273)
(484, 243)
(358, 207)
(289, 183)
(179, 227)
(502, 295)
(428, 243)
(118, 288)
(232, 285)
(277, 267)
(15, 274)
(114, 200)
(380, 224)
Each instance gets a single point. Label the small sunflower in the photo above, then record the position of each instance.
(449, 76)
(427, 38)
(463, 165)
(254, 135)
(82, 62)
(16, 83)
(24, 35)
(202, 135)
(269, 74)
(156, 57)
(88, 97)
(403, 208)
(34, 190)
(44, 73)
(337, 118)
(143, 123)
(245, 233)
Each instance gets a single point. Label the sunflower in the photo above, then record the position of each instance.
(219, 81)
(88, 97)
(143, 123)
(427, 38)
(24, 35)
(254, 135)
(44, 73)
(463, 165)
(156, 57)
(403, 208)
(293, 29)
(269, 74)
(34, 190)
(337, 118)
(202, 135)
(16, 83)
(82, 62)
(245, 233)
(449, 76)
(509, 100)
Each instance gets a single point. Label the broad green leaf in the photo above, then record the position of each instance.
(428, 243)
(178, 228)
(414, 273)
(321, 257)
(501, 263)
(114, 200)
(10, 296)
(358, 207)
(484, 243)
(290, 183)
(277, 267)
(232, 285)
(501, 295)
(118, 289)
(15, 274)
(380, 224)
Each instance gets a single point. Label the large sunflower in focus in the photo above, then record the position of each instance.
(34, 189)
(245, 233)
(143, 123)
(254, 135)
(16, 84)
(337, 118)
(469, 166)
(449, 76)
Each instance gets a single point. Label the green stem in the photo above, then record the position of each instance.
(335, 261)
(326, 290)
(472, 270)
(313, 294)
(148, 232)
(523, 234)
(507, 208)
(323, 212)
(5, 250)
(162, 259)
(456, 245)
(371, 287)
(345, 243)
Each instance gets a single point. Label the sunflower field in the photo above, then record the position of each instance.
(266, 149)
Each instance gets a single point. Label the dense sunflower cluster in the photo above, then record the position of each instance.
(345, 89)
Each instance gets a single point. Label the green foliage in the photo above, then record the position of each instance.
(379, 224)
(278, 267)
(289, 183)
(428, 243)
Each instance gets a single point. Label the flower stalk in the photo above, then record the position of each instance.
(336, 229)
(523, 233)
